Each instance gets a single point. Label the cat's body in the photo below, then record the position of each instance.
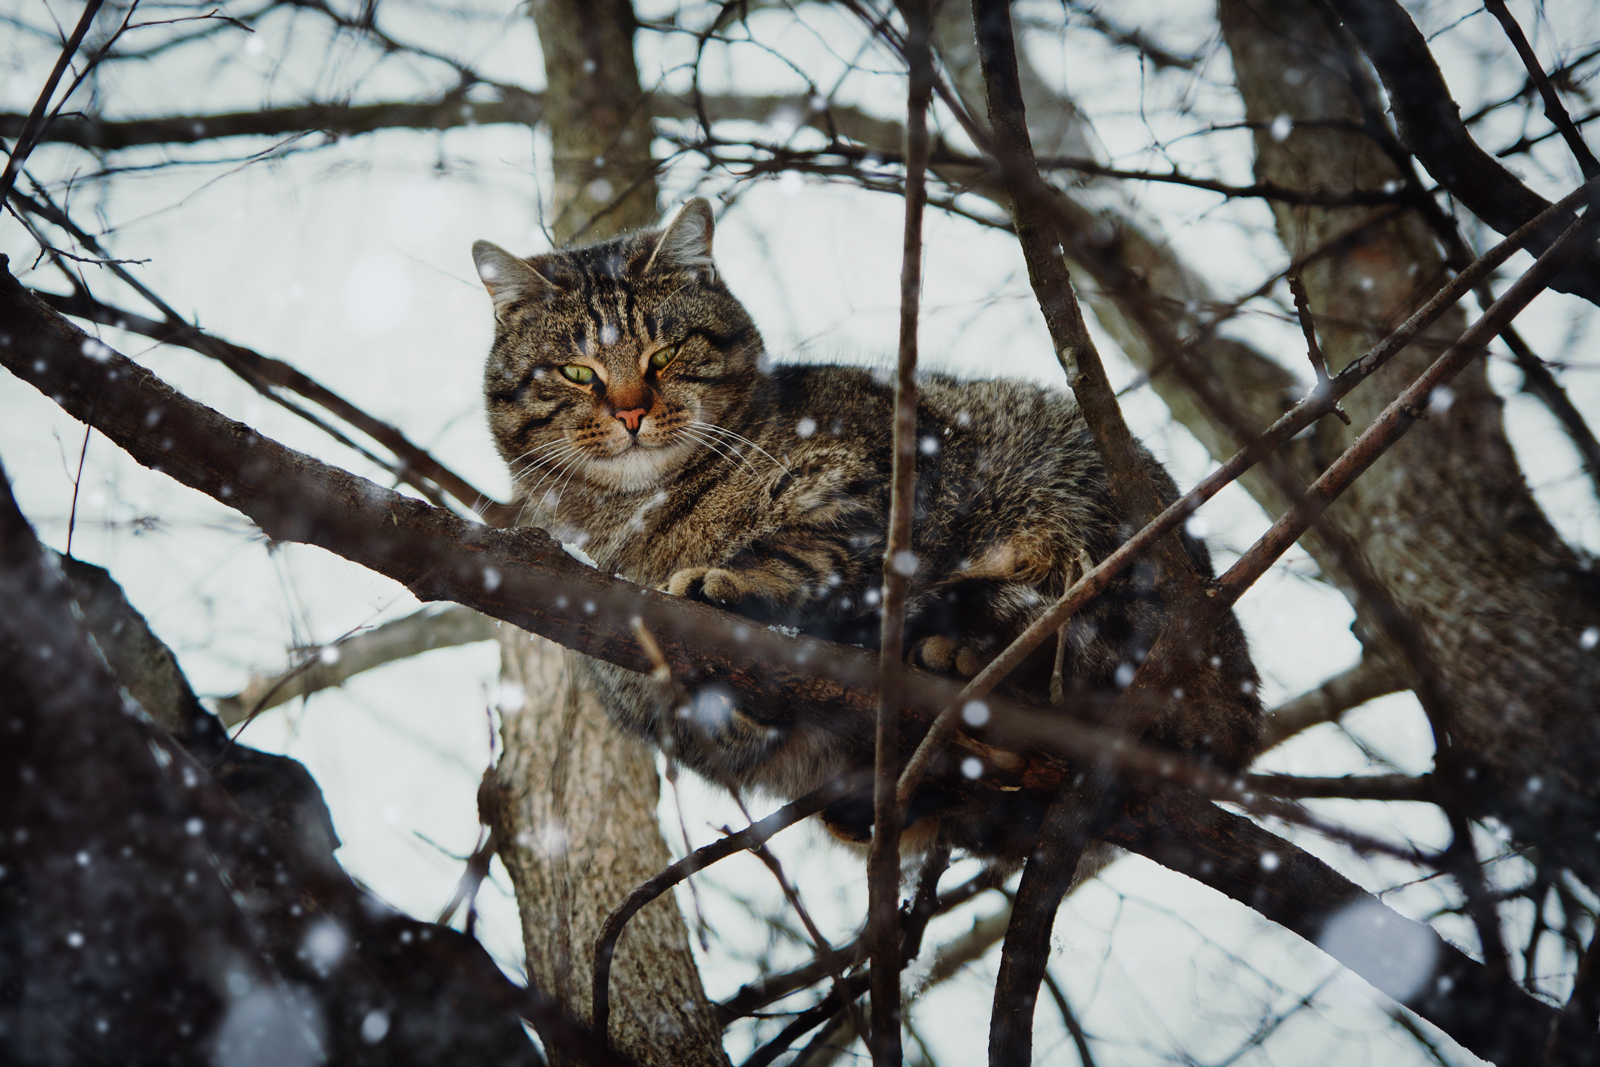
(706, 474)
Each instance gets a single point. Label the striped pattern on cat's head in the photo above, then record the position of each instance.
(614, 363)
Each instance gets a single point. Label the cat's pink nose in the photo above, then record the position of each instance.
(631, 418)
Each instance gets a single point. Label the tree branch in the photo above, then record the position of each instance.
(416, 466)
(118, 789)
(899, 564)
(1303, 894)
(1552, 103)
(1373, 677)
(28, 135)
(335, 663)
(751, 837)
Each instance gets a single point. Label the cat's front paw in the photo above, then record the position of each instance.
(947, 656)
(713, 584)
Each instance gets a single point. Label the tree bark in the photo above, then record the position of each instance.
(577, 817)
(1445, 521)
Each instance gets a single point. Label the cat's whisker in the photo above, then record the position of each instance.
(584, 461)
(723, 450)
(557, 464)
(548, 446)
(556, 457)
(741, 437)
(704, 441)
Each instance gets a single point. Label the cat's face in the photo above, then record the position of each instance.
(608, 361)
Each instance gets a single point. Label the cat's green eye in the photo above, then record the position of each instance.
(663, 357)
(577, 372)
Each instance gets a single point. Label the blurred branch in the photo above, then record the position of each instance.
(1565, 73)
(121, 788)
(1079, 1038)
(1350, 787)
(335, 663)
(1133, 38)
(1572, 1038)
(1539, 382)
(451, 111)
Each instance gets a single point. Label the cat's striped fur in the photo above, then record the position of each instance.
(630, 394)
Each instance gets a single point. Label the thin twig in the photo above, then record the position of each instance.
(755, 834)
(899, 563)
(1075, 1028)
(30, 129)
(416, 466)
(1308, 327)
(1553, 110)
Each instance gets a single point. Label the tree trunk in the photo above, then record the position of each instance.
(1445, 521)
(576, 815)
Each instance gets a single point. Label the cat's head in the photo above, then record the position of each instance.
(606, 357)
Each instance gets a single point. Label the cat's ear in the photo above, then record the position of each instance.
(685, 242)
(507, 278)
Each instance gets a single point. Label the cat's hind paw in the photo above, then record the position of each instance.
(712, 584)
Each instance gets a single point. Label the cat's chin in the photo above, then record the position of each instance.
(638, 469)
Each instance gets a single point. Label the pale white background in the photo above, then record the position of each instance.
(350, 261)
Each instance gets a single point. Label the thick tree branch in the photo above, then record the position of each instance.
(84, 776)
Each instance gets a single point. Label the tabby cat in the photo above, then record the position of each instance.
(630, 394)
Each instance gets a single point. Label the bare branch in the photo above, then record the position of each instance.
(416, 467)
(1303, 894)
(1351, 787)
(1537, 381)
(1404, 411)
(1308, 327)
(899, 563)
(1373, 677)
(335, 663)
(1430, 122)
(28, 134)
(1552, 103)
(752, 836)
